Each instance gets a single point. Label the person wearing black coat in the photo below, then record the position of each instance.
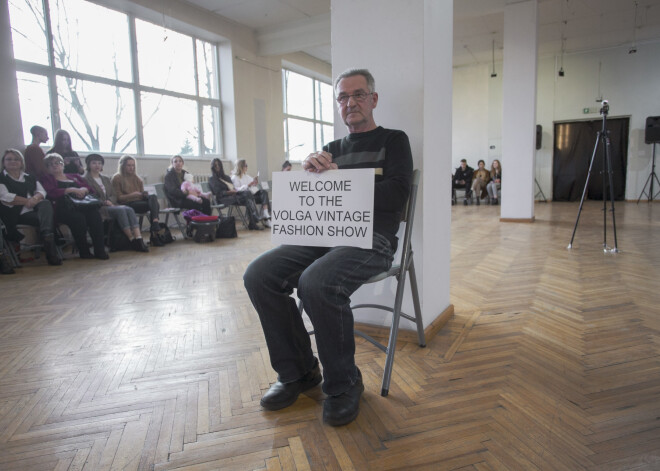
(225, 193)
(462, 180)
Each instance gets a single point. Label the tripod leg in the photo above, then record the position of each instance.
(584, 191)
(644, 190)
(609, 171)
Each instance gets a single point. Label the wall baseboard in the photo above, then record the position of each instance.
(528, 220)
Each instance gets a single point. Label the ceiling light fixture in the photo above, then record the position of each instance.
(561, 61)
(633, 47)
(493, 74)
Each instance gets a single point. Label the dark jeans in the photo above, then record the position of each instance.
(462, 186)
(261, 197)
(244, 198)
(325, 279)
(149, 205)
(40, 217)
(80, 220)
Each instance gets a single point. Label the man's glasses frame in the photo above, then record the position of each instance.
(358, 96)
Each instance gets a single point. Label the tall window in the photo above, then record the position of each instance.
(116, 83)
(308, 115)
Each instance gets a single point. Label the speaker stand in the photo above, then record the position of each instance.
(649, 181)
(540, 192)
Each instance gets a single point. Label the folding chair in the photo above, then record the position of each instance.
(214, 204)
(400, 270)
(160, 194)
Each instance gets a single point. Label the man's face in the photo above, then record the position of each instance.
(356, 113)
(463, 165)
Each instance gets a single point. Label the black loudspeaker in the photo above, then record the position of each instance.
(539, 135)
(652, 131)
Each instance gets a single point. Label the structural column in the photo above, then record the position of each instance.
(11, 134)
(407, 46)
(519, 110)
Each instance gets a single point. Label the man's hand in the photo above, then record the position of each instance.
(318, 162)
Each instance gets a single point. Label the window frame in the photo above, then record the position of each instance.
(316, 122)
(51, 72)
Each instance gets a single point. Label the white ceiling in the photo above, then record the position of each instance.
(284, 26)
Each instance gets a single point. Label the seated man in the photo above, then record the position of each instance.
(326, 277)
(462, 180)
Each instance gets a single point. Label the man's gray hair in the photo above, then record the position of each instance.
(371, 83)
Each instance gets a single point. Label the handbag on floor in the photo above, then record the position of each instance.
(226, 228)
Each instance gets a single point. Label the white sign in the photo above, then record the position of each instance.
(327, 209)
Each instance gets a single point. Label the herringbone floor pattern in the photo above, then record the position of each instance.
(157, 361)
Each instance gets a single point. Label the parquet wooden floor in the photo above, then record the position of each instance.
(158, 362)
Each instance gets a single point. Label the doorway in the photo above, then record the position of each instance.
(574, 143)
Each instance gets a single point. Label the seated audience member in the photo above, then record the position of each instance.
(462, 180)
(480, 179)
(129, 190)
(34, 155)
(23, 201)
(174, 178)
(79, 218)
(226, 193)
(242, 181)
(62, 146)
(495, 181)
(122, 215)
(286, 166)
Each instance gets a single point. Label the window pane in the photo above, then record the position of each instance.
(324, 134)
(208, 85)
(211, 124)
(170, 125)
(300, 95)
(28, 31)
(84, 43)
(35, 104)
(325, 102)
(165, 58)
(99, 117)
(301, 139)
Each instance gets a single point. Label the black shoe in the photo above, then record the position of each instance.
(155, 241)
(495, 203)
(254, 227)
(101, 255)
(138, 245)
(344, 408)
(86, 255)
(281, 395)
(465, 202)
(155, 226)
(52, 255)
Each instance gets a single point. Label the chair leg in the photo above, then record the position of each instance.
(394, 333)
(418, 310)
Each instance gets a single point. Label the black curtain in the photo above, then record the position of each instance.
(573, 148)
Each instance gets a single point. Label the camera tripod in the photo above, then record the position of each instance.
(650, 179)
(601, 138)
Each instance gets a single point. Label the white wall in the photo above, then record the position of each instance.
(628, 81)
(470, 115)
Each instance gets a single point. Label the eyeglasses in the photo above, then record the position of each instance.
(57, 162)
(359, 97)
